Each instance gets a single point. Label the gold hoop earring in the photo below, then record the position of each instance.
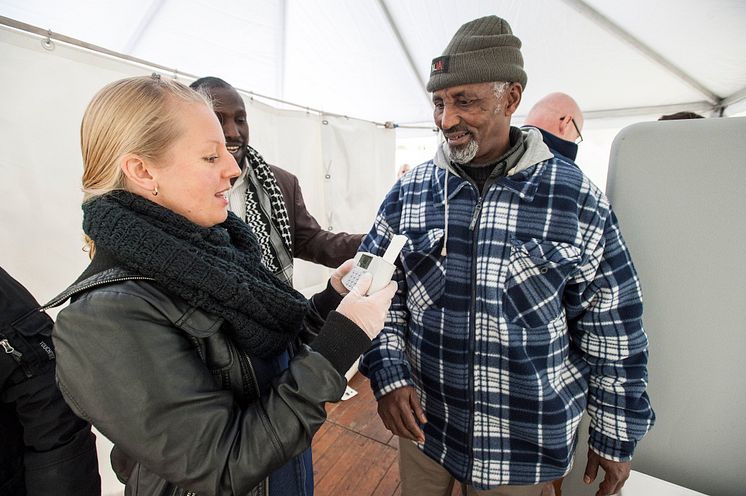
(155, 191)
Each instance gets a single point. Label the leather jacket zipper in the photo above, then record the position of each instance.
(248, 375)
(249, 378)
(64, 296)
(116, 279)
(177, 491)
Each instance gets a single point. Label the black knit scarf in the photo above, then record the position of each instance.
(217, 269)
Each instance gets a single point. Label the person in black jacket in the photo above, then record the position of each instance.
(45, 448)
(179, 345)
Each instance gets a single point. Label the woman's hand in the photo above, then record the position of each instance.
(368, 312)
(338, 274)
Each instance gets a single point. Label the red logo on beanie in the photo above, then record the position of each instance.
(439, 65)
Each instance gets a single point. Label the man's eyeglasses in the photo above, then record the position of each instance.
(579, 139)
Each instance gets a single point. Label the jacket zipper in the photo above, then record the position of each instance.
(476, 215)
(57, 301)
(177, 491)
(248, 374)
(249, 378)
(116, 279)
(473, 332)
(8, 348)
(474, 228)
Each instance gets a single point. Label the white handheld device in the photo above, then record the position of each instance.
(381, 268)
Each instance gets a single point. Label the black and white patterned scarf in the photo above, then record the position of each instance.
(267, 215)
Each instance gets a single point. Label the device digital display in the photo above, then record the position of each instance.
(364, 261)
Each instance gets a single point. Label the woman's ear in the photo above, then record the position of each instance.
(138, 173)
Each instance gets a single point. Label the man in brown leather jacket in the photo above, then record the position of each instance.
(283, 225)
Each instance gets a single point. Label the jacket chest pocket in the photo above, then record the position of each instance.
(210, 343)
(28, 342)
(424, 268)
(536, 276)
(219, 358)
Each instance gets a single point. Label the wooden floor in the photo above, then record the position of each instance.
(354, 454)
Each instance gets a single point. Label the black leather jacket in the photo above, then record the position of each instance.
(181, 403)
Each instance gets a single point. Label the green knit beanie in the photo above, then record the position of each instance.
(482, 51)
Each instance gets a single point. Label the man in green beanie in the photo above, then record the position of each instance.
(518, 305)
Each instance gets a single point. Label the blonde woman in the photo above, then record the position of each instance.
(178, 345)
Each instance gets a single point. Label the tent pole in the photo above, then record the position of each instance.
(589, 115)
(614, 28)
(734, 98)
(405, 50)
(702, 106)
(144, 24)
(48, 35)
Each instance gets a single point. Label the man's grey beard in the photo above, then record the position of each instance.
(466, 153)
(463, 154)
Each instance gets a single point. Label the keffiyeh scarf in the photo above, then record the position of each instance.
(267, 215)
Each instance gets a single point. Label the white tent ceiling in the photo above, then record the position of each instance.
(370, 58)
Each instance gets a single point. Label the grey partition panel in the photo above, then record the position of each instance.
(679, 190)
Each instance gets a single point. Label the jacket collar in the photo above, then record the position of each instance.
(558, 146)
(103, 269)
(108, 276)
(523, 178)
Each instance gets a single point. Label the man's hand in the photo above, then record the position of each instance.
(548, 489)
(616, 473)
(400, 410)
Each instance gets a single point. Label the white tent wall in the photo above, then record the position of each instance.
(43, 97)
(356, 171)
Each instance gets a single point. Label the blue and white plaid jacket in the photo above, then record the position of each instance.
(532, 316)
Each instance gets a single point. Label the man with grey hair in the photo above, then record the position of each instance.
(518, 304)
